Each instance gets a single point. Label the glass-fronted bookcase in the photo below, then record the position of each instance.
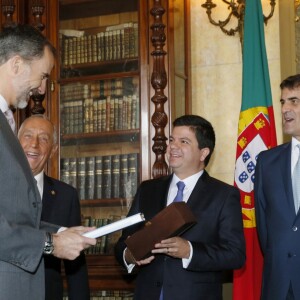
(111, 96)
(99, 107)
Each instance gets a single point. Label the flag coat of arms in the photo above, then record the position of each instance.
(256, 132)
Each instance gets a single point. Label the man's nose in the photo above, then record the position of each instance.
(42, 88)
(285, 107)
(34, 141)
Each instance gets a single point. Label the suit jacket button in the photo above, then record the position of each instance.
(34, 204)
(294, 228)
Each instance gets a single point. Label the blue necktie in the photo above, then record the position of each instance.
(296, 183)
(178, 198)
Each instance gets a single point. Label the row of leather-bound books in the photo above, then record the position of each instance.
(114, 43)
(105, 105)
(102, 177)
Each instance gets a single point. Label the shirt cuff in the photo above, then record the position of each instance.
(61, 229)
(186, 261)
(129, 267)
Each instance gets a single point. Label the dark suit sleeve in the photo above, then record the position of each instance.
(224, 248)
(76, 270)
(260, 205)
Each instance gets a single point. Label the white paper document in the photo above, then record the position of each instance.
(120, 224)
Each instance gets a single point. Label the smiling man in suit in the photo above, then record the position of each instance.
(26, 61)
(190, 266)
(277, 202)
(60, 205)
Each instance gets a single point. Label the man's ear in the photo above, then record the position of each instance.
(15, 64)
(204, 153)
(54, 149)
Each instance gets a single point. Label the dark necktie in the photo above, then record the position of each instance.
(296, 183)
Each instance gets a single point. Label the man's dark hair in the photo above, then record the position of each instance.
(204, 132)
(23, 40)
(291, 82)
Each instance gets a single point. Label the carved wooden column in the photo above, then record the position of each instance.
(159, 118)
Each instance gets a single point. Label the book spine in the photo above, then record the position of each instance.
(64, 170)
(103, 113)
(102, 249)
(106, 182)
(129, 111)
(112, 114)
(115, 177)
(133, 173)
(95, 114)
(120, 113)
(124, 112)
(123, 175)
(81, 173)
(98, 177)
(134, 112)
(107, 113)
(90, 177)
(118, 44)
(136, 39)
(94, 48)
(73, 171)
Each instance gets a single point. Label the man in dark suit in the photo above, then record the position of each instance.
(277, 214)
(189, 266)
(26, 60)
(61, 206)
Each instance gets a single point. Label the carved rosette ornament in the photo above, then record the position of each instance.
(8, 9)
(38, 8)
(159, 118)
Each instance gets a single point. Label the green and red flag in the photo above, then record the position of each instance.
(256, 132)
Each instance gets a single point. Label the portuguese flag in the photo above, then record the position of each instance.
(256, 132)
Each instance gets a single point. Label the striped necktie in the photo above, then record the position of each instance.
(11, 121)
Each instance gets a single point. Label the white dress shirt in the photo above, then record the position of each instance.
(3, 104)
(8, 113)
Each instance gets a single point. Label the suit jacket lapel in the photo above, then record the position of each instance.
(199, 189)
(49, 196)
(49, 193)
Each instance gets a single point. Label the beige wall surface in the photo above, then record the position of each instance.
(216, 62)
